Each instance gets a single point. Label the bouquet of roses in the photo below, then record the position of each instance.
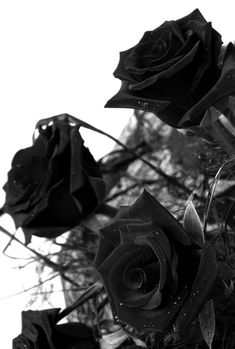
(150, 242)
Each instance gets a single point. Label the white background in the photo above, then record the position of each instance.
(58, 56)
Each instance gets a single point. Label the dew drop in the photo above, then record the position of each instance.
(228, 76)
(143, 104)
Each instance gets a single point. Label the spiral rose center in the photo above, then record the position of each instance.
(136, 278)
(159, 47)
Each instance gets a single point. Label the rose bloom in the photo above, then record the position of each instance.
(154, 273)
(40, 331)
(55, 183)
(175, 72)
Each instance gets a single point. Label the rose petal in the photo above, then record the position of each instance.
(158, 319)
(46, 218)
(194, 15)
(224, 87)
(109, 239)
(124, 294)
(34, 323)
(129, 232)
(127, 98)
(168, 73)
(160, 253)
(147, 208)
(115, 265)
(201, 289)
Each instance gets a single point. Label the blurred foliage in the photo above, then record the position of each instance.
(173, 168)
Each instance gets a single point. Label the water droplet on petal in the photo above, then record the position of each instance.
(143, 104)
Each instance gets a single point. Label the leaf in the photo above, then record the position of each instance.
(192, 224)
(113, 340)
(211, 123)
(207, 322)
(225, 271)
(210, 117)
(227, 124)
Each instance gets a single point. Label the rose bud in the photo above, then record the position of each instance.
(40, 331)
(158, 276)
(175, 73)
(55, 183)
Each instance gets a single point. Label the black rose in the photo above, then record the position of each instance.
(155, 275)
(40, 331)
(174, 72)
(55, 183)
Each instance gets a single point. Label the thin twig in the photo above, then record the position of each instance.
(169, 178)
(130, 187)
(32, 287)
(47, 261)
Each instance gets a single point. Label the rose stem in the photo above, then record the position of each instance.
(90, 292)
(169, 178)
(47, 261)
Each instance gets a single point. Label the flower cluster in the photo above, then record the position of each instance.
(158, 272)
